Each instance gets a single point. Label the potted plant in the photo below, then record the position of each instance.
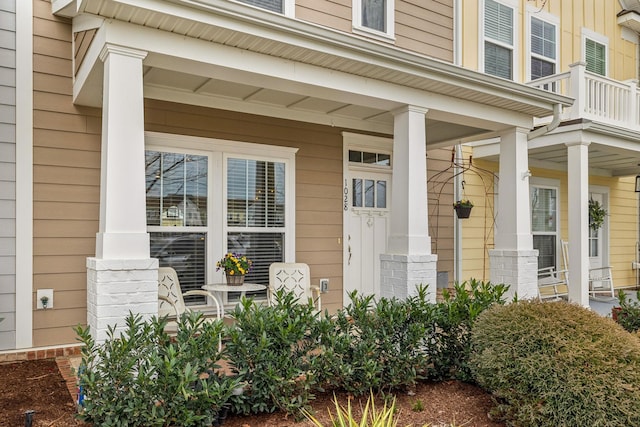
(463, 208)
(596, 214)
(235, 267)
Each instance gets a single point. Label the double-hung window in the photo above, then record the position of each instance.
(223, 197)
(543, 48)
(374, 17)
(498, 39)
(544, 224)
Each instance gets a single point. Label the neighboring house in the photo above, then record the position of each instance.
(289, 130)
(587, 50)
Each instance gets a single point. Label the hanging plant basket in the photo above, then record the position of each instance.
(463, 208)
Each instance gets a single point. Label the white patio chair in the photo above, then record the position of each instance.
(296, 278)
(171, 299)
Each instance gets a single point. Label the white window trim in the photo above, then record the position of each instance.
(513, 4)
(358, 28)
(289, 7)
(554, 184)
(533, 12)
(218, 150)
(598, 38)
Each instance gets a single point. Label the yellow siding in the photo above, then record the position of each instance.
(622, 219)
(574, 15)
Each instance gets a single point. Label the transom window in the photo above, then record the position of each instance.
(369, 158)
(543, 48)
(498, 39)
(201, 206)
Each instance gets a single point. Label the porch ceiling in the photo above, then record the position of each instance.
(612, 151)
(445, 89)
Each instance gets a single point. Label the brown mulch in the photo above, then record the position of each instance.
(37, 385)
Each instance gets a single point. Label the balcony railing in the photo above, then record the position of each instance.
(596, 97)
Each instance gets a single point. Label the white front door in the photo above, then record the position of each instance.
(367, 204)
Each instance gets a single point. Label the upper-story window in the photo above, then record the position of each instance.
(594, 52)
(374, 17)
(285, 7)
(498, 39)
(543, 48)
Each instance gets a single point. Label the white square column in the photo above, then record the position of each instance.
(122, 277)
(408, 261)
(514, 261)
(578, 211)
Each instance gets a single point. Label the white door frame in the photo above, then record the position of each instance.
(353, 141)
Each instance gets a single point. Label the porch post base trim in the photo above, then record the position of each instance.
(117, 287)
(400, 275)
(516, 268)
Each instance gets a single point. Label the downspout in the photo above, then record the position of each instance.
(555, 122)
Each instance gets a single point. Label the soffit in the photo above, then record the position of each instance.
(271, 34)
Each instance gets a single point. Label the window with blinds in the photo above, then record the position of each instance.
(544, 216)
(176, 186)
(498, 45)
(256, 203)
(543, 48)
(272, 5)
(596, 57)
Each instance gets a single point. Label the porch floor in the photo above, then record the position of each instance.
(603, 304)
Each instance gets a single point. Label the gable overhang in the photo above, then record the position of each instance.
(227, 55)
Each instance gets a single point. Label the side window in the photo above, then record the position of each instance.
(498, 39)
(543, 48)
(544, 224)
(374, 16)
(596, 56)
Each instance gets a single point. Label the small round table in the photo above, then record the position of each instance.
(218, 289)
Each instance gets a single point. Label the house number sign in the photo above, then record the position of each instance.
(345, 191)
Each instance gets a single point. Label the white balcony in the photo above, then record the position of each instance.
(597, 98)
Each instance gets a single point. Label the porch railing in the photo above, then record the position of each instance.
(596, 97)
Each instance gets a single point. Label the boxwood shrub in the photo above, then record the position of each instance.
(557, 364)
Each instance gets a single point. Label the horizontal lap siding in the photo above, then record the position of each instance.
(66, 182)
(318, 175)
(7, 174)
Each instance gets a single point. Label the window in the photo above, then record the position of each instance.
(229, 196)
(498, 39)
(543, 48)
(285, 7)
(544, 224)
(374, 16)
(596, 57)
(176, 185)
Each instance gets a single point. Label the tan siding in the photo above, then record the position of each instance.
(334, 14)
(425, 27)
(82, 41)
(318, 175)
(66, 182)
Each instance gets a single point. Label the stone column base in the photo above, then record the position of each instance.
(401, 274)
(516, 268)
(116, 287)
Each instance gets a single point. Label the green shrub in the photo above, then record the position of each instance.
(145, 378)
(454, 317)
(557, 364)
(269, 348)
(629, 313)
(376, 345)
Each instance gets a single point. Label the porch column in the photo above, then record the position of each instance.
(408, 261)
(514, 261)
(121, 277)
(578, 212)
